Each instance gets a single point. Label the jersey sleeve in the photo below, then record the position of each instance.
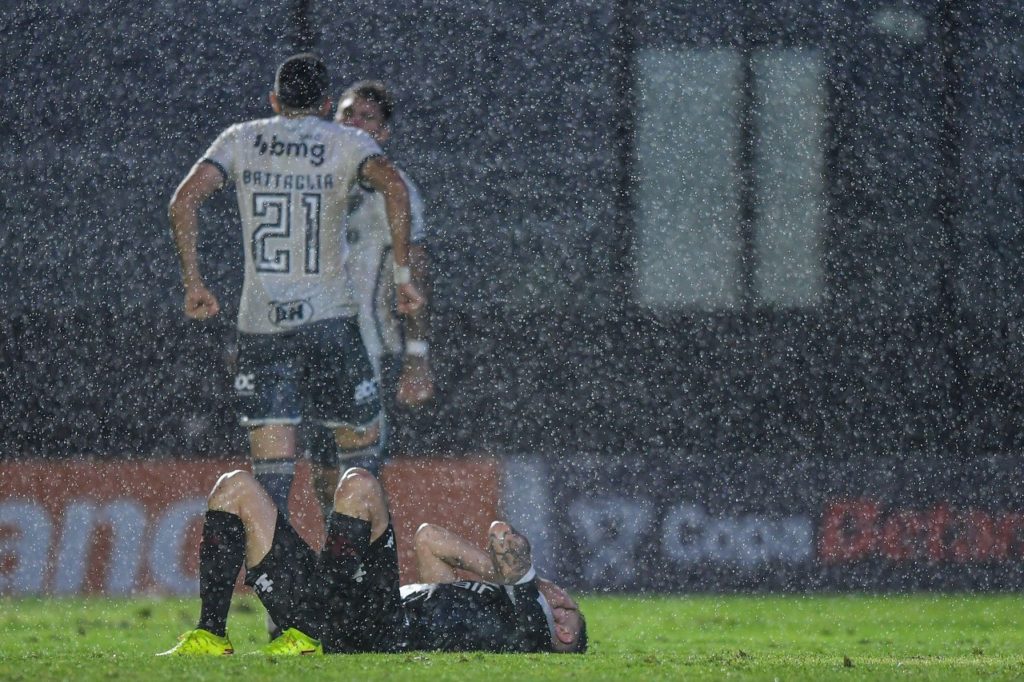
(222, 153)
(363, 148)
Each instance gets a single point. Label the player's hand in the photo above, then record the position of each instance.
(556, 597)
(200, 303)
(409, 298)
(416, 384)
(509, 551)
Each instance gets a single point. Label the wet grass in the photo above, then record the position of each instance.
(919, 637)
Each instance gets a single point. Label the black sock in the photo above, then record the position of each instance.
(279, 595)
(220, 558)
(276, 476)
(348, 540)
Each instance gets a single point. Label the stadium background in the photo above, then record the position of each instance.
(895, 381)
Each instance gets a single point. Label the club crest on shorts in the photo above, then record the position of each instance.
(290, 313)
(365, 391)
(264, 584)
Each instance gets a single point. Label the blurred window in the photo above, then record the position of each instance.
(689, 165)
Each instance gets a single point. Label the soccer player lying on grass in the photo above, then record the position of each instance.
(347, 599)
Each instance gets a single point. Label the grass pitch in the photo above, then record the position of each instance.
(927, 637)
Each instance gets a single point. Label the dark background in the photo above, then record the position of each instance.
(515, 118)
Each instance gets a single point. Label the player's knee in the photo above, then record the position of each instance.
(425, 535)
(231, 486)
(357, 480)
(356, 486)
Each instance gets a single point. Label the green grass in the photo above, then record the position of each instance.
(920, 637)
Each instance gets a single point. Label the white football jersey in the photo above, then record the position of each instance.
(371, 265)
(292, 177)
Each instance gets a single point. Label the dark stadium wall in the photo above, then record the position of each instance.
(512, 122)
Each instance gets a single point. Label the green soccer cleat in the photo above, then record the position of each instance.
(200, 642)
(293, 642)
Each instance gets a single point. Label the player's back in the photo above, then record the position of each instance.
(292, 176)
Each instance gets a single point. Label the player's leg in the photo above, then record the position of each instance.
(272, 448)
(359, 496)
(268, 402)
(359, 570)
(359, 516)
(303, 597)
(279, 564)
(341, 385)
(358, 447)
(242, 504)
(390, 374)
(323, 458)
(333, 451)
(346, 446)
(238, 527)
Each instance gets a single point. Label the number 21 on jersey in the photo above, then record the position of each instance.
(273, 242)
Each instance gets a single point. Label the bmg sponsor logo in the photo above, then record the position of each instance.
(301, 149)
(290, 313)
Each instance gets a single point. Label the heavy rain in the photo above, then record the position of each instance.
(722, 298)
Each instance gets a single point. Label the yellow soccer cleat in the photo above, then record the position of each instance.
(293, 642)
(200, 642)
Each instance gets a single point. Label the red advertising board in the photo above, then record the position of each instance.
(134, 527)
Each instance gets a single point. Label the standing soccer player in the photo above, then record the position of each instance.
(398, 348)
(299, 348)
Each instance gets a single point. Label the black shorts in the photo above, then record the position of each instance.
(320, 370)
(376, 621)
(318, 443)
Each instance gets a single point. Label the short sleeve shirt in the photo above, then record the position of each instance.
(292, 178)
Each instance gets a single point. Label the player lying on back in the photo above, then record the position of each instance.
(346, 598)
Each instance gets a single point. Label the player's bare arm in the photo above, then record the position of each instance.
(510, 552)
(416, 383)
(380, 174)
(201, 182)
(440, 553)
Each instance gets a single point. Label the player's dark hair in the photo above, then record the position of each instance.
(371, 91)
(301, 81)
(581, 640)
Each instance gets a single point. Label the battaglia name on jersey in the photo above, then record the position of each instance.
(301, 150)
(286, 180)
